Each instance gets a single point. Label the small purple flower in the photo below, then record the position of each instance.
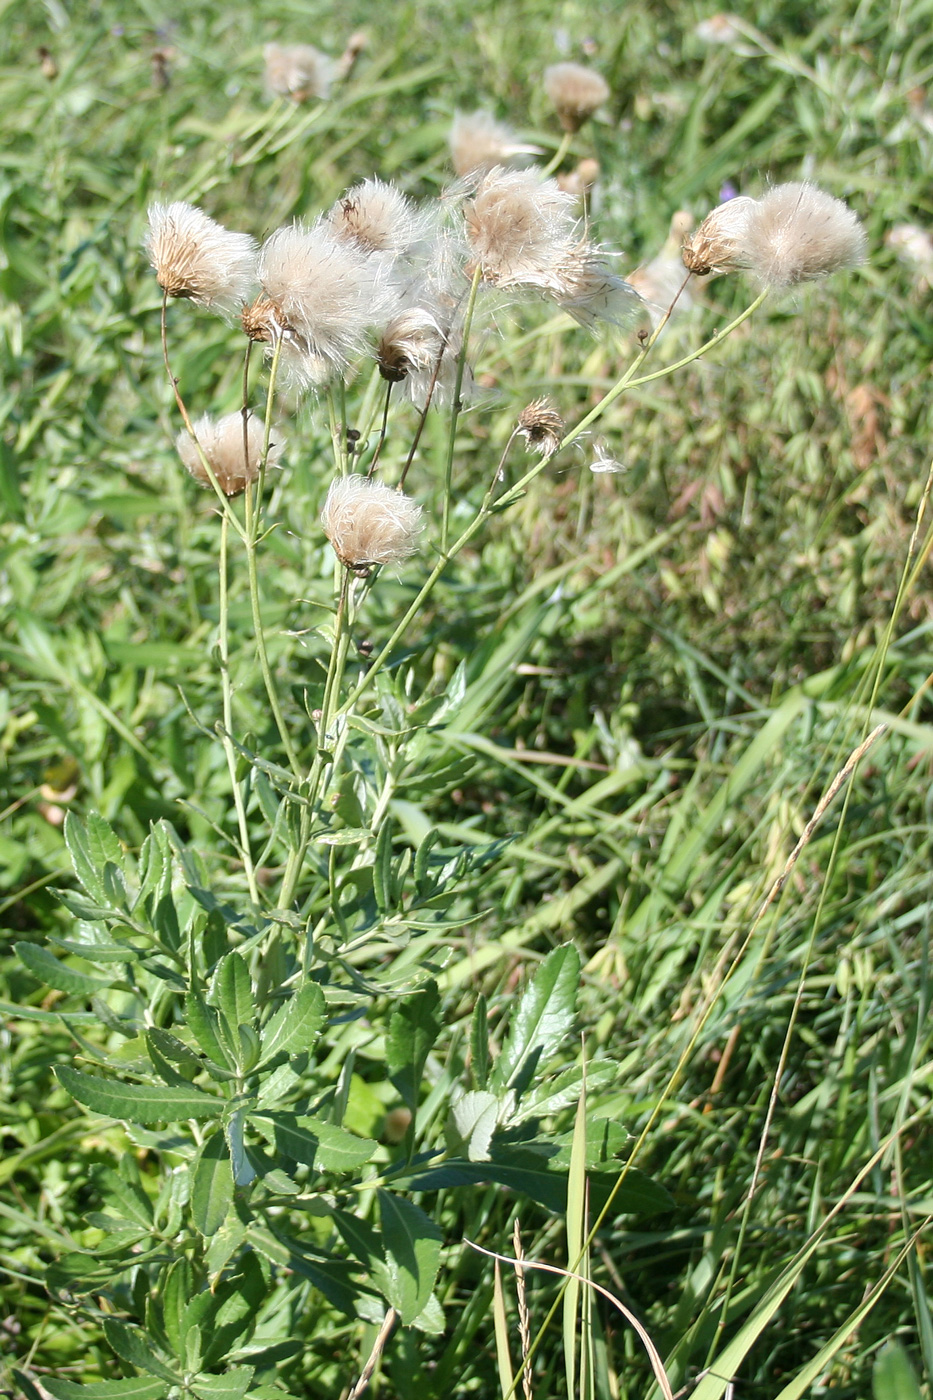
(727, 192)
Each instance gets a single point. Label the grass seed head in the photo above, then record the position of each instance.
(541, 426)
(369, 523)
(298, 71)
(235, 463)
(797, 232)
(195, 257)
(478, 143)
(575, 91)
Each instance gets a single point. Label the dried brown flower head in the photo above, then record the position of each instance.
(410, 344)
(575, 91)
(234, 461)
(195, 257)
(298, 71)
(798, 232)
(478, 143)
(368, 523)
(541, 426)
(718, 244)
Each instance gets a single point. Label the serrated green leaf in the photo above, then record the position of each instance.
(414, 1027)
(314, 1142)
(295, 1026)
(140, 1103)
(212, 1185)
(232, 990)
(53, 973)
(412, 1244)
(128, 1195)
(471, 1124)
(139, 1388)
(174, 1050)
(203, 1024)
(638, 1195)
(131, 1344)
(176, 1294)
(230, 1386)
(88, 871)
(544, 1016)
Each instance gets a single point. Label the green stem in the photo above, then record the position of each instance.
(227, 687)
(457, 405)
(186, 419)
(253, 509)
(628, 380)
(558, 156)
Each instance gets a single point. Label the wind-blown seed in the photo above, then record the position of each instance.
(298, 71)
(478, 143)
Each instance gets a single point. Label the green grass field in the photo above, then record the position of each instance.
(569, 827)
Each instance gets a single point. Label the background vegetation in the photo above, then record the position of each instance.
(664, 669)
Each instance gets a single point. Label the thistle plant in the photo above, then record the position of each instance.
(238, 1015)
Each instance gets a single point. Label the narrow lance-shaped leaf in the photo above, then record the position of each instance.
(413, 1029)
(139, 1103)
(212, 1185)
(412, 1245)
(295, 1026)
(544, 1016)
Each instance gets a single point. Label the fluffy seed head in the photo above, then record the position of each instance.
(235, 463)
(195, 257)
(378, 218)
(411, 343)
(368, 523)
(575, 91)
(298, 71)
(798, 232)
(914, 247)
(588, 290)
(718, 245)
(541, 426)
(520, 228)
(322, 293)
(479, 143)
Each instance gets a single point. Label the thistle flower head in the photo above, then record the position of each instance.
(321, 293)
(378, 218)
(718, 244)
(519, 228)
(298, 71)
(233, 456)
(575, 91)
(368, 523)
(195, 257)
(478, 143)
(541, 426)
(411, 343)
(798, 232)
